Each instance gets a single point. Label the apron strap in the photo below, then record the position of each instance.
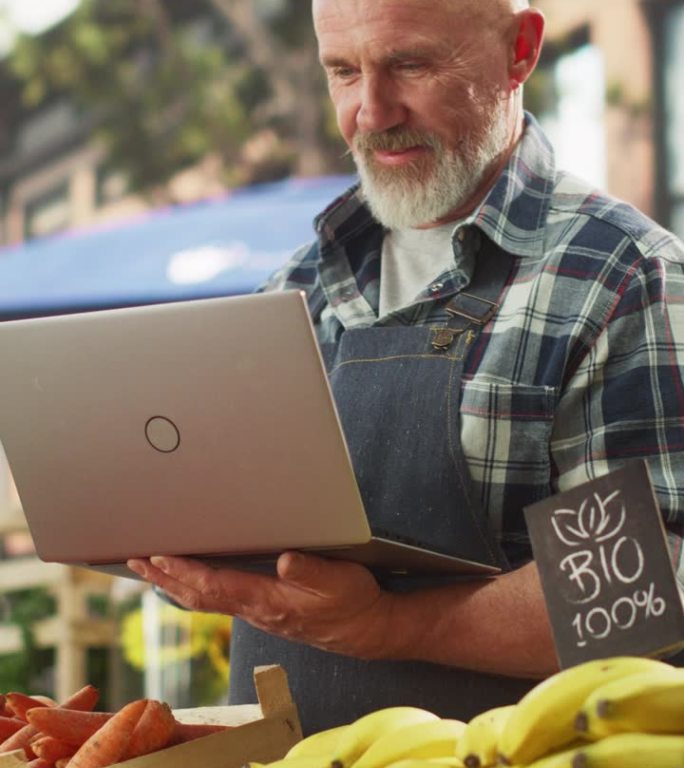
(480, 303)
(471, 310)
(316, 301)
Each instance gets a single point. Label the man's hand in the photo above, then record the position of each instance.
(495, 625)
(333, 605)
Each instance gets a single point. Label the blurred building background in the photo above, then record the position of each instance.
(127, 105)
(610, 94)
(83, 138)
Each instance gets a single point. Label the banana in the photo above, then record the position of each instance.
(631, 750)
(561, 759)
(543, 720)
(322, 743)
(431, 738)
(360, 734)
(624, 750)
(434, 762)
(294, 762)
(479, 745)
(649, 702)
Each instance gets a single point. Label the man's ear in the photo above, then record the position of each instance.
(528, 36)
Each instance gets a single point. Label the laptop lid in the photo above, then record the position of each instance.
(200, 428)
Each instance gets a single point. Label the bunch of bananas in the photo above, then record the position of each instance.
(623, 712)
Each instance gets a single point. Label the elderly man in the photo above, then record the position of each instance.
(495, 331)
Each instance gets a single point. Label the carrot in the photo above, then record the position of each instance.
(44, 699)
(21, 739)
(40, 763)
(20, 703)
(52, 749)
(84, 699)
(68, 725)
(189, 731)
(110, 742)
(9, 725)
(154, 730)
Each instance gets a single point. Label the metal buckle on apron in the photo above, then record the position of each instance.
(464, 306)
(444, 338)
(478, 319)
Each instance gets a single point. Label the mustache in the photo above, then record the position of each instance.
(395, 140)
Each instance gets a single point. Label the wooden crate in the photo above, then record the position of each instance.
(261, 732)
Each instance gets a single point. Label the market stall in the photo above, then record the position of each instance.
(221, 246)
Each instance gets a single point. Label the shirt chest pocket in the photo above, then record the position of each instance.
(505, 433)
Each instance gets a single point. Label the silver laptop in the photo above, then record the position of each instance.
(204, 428)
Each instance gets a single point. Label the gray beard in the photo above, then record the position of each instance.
(413, 197)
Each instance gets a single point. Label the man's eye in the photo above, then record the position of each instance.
(343, 73)
(410, 66)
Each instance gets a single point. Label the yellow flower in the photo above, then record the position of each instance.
(185, 635)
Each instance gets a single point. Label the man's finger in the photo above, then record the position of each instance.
(176, 566)
(179, 592)
(317, 575)
(228, 582)
(200, 587)
(193, 575)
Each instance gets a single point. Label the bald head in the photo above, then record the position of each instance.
(514, 5)
(488, 16)
(496, 7)
(492, 25)
(491, 13)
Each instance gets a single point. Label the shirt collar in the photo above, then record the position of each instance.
(513, 214)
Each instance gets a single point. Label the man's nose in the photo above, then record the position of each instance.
(380, 109)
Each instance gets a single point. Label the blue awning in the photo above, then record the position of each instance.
(216, 247)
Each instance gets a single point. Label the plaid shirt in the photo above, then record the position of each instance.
(580, 370)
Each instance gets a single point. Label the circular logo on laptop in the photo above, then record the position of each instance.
(162, 434)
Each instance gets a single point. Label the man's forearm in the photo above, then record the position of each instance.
(499, 626)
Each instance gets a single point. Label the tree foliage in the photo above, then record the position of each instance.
(165, 83)
(20, 671)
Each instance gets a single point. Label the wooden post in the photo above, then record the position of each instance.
(70, 655)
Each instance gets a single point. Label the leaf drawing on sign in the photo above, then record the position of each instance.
(607, 519)
(588, 518)
(593, 521)
(562, 520)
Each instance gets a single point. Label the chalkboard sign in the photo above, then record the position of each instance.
(605, 569)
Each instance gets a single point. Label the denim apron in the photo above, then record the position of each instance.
(397, 390)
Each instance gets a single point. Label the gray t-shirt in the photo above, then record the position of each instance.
(411, 260)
